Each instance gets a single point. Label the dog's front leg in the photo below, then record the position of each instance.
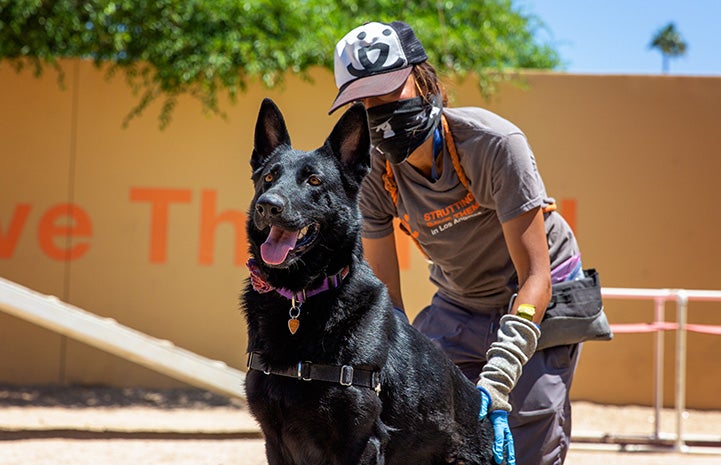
(373, 453)
(275, 452)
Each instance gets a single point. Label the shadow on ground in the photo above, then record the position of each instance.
(99, 396)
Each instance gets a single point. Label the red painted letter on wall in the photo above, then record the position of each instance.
(9, 240)
(568, 210)
(160, 200)
(210, 219)
(77, 224)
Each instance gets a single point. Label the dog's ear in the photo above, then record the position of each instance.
(350, 141)
(270, 133)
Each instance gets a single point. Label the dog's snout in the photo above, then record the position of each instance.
(269, 206)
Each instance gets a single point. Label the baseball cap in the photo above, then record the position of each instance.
(374, 59)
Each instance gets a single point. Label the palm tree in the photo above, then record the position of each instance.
(670, 44)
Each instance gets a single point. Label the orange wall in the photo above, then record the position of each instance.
(155, 235)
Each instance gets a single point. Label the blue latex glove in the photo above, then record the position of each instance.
(503, 443)
(485, 402)
(503, 439)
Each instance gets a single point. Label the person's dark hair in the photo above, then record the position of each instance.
(428, 82)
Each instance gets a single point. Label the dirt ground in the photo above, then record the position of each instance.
(104, 426)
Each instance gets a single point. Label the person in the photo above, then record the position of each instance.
(465, 186)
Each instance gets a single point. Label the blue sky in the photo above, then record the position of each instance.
(612, 36)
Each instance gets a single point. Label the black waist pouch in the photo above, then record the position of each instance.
(575, 313)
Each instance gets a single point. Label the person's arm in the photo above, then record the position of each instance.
(525, 237)
(517, 340)
(381, 256)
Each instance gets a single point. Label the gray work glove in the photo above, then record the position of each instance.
(517, 341)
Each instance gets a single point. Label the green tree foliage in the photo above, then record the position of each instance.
(670, 43)
(167, 48)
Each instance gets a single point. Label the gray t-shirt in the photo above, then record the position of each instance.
(462, 233)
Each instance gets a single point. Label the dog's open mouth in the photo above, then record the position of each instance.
(281, 243)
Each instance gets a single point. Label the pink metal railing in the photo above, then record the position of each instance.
(660, 296)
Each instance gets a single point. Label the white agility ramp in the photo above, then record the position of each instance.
(107, 334)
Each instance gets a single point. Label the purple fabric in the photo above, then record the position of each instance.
(566, 269)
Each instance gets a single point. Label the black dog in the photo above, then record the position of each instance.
(336, 376)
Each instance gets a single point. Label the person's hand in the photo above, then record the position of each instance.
(502, 438)
(516, 343)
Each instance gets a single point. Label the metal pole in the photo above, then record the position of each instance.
(658, 365)
(681, 317)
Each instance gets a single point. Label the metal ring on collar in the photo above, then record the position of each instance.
(304, 371)
(346, 375)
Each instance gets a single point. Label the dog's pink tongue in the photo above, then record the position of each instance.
(277, 245)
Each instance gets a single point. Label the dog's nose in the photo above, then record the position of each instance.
(269, 206)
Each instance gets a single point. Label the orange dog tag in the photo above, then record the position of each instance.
(293, 325)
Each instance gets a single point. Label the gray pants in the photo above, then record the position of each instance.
(541, 416)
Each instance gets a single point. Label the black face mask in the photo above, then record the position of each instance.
(398, 128)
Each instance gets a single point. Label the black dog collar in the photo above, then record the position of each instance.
(345, 375)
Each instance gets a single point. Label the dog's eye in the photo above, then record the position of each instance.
(314, 180)
(268, 177)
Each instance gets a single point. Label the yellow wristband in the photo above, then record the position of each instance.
(526, 311)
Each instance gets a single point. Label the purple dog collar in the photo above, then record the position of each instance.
(261, 286)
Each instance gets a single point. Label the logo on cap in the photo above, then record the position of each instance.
(383, 48)
(373, 48)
